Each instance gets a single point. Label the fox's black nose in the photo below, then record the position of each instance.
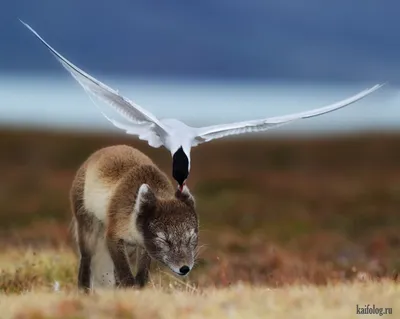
(184, 270)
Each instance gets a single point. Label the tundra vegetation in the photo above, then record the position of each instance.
(306, 228)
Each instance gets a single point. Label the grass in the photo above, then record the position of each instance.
(238, 301)
(288, 228)
(28, 292)
(28, 270)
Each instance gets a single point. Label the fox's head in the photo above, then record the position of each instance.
(169, 228)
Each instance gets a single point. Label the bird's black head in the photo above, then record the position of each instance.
(180, 166)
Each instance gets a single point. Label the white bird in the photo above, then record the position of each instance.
(173, 134)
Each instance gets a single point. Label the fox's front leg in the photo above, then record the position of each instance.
(122, 269)
(144, 261)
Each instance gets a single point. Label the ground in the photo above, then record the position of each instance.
(307, 227)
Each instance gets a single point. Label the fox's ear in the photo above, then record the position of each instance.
(185, 196)
(145, 200)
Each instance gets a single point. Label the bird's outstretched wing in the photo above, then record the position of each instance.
(145, 131)
(144, 124)
(205, 134)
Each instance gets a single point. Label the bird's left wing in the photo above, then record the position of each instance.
(142, 120)
(205, 134)
(145, 131)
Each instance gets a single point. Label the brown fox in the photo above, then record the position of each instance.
(120, 201)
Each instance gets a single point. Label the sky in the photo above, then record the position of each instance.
(246, 40)
(293, 54)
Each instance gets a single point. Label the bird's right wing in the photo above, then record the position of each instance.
(205, 134)
(140, 118)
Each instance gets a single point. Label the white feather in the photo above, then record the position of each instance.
(131, 111)
(172, 133)
(217, 131)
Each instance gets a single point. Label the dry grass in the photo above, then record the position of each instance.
(289, 228)
(28, 292)
(338, 301)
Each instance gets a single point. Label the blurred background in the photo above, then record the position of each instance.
(313, 201)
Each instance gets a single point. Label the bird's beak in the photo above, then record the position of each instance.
(181, 186)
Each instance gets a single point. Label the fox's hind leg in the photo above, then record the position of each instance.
(84, 274)
(87, 232)
(84, 229)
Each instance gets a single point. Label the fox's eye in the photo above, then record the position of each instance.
(163, 241)
(191, 236)
(162, 244)
(161, 237)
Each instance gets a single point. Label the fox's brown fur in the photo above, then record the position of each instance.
(121, 200)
